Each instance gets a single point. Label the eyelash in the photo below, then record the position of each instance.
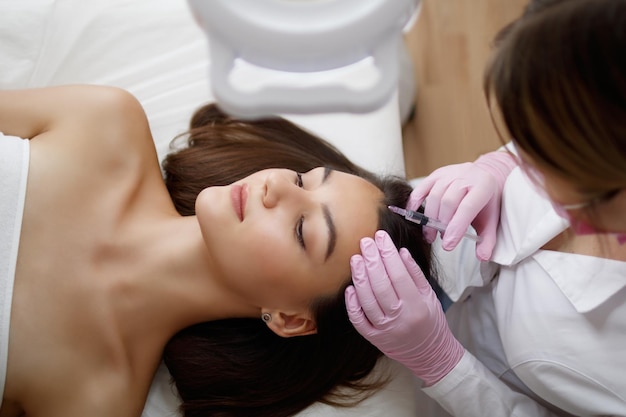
(299, 235)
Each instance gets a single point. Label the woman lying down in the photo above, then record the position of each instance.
(233, 269)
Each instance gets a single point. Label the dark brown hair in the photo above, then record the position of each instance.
(239, 367)
(558, 75)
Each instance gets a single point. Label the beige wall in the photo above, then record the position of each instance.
(449, 45)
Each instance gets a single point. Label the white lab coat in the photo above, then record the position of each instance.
(548, 324)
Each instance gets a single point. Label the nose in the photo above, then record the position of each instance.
(280, 188)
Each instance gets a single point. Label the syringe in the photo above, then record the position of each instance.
(422, 219)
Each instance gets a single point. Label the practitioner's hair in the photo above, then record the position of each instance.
(558, 76)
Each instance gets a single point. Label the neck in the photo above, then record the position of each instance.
(598, 245)
(169, 282)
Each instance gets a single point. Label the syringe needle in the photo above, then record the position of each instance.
(422, 219)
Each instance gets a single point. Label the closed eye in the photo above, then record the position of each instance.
(299, 234)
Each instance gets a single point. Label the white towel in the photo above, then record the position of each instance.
(14, 157)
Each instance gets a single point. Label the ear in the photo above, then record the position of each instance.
(291, 324)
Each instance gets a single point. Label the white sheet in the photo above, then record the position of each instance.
(154, 49)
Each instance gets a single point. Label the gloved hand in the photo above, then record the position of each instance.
(464, 194)
(393, 306)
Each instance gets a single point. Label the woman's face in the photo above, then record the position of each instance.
(280, 239)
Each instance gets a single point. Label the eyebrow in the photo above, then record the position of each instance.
(332, 230)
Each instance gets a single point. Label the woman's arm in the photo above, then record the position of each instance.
(87, 125)
(78, 109)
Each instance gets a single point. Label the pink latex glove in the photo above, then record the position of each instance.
(465, 194)
(393, 306)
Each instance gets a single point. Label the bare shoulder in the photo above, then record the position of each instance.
(29, 113)
(98, 101)
(92, 124)
(100, 142)
(104, 113)
(104, 104)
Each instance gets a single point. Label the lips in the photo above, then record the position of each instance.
(239, 196)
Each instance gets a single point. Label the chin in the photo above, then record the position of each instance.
(212, 206)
